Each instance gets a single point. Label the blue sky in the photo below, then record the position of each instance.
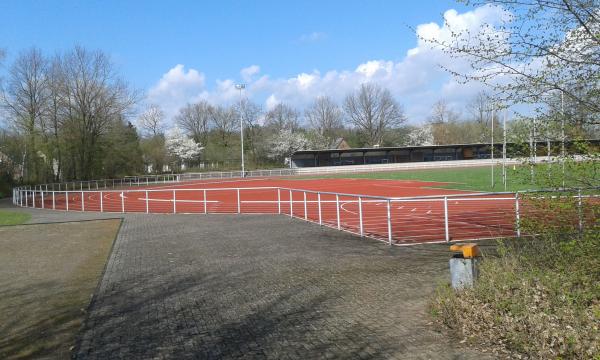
(275, 41)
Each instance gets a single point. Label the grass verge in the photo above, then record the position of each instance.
(48, 274)
(13, 218)
(538, 298)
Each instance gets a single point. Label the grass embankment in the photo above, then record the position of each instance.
(471, 178)
(48, 274)
(13, 218)
(540, 297)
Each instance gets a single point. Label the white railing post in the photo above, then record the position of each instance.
(580, 211)
(67, 199)
(82, 202)
(517, 215)
(147, 201)
(204, 197)
(53, 201)
(238, 201)
(305, 209)
(389, 222)
(174, 201)
(101, 201)
(337, 210)
(44, 206)
(291, 205)
(122, 202)
(278, 200)
(446, 219)
(319, 202)
(360, 216)
(34, 198)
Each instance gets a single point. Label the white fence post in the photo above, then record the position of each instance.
(580, 211)
(291, 205)
(147, 201)
(278, 200)
(33, 198)
(360, 217)
(319, 202)
(517, 215)
(67, 199)
(204, 198)
(238, 201)
(122, 202)
(101, 201)
(446, 219)
(337, 210)
(174, 201)
(305, 210)
(82, 202)
(53, 201)
(389, 222)
(44, 206)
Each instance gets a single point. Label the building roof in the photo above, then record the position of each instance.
(424, 147)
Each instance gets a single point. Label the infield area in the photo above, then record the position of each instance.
(398, 211)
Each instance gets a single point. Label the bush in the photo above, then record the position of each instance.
(538, 297)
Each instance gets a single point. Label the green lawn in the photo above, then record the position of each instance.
(475, 178)
(13, 218)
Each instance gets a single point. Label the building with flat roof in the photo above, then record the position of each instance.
(386, 155)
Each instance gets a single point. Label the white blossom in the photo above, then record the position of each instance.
(181, 146)
(422, 135)
(285, 143)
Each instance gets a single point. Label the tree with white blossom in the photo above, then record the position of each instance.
(181, 147)
(284, 143)
(420, 136)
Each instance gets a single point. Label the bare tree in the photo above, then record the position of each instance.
(442, 113)
(282, 116)
(325, 116)
(225, 121)
(95, 98)
(26, 99)
(151, 120)
(539, 47)
(195, 119)
(373, 111)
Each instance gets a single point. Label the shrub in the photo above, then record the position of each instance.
(539, 296)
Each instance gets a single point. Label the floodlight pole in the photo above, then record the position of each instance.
(241, 87)
(562, 130)
(492, 149)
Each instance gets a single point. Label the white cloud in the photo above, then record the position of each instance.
(248, 72)
(312, 37)
(175, 88)
(416, 80)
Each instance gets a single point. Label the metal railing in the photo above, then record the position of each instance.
(406, 220)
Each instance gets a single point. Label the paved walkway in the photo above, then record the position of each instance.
(226, 286)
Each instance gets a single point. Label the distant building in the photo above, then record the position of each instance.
(384, 155)
(340, 144)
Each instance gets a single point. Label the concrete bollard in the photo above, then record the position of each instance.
(464, 265)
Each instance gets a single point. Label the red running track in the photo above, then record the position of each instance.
(412, 221)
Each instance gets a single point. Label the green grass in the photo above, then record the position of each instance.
(13, 218)
(473, 178)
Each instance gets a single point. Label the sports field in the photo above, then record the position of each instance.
(416, 209)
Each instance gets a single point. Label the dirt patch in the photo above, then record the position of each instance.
(48, 273)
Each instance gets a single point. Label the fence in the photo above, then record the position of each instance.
(394, 220)
(82, 185)
(153, 179)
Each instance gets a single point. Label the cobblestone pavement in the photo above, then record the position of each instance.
(261, 287)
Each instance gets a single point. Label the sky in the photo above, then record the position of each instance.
(177, 52)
